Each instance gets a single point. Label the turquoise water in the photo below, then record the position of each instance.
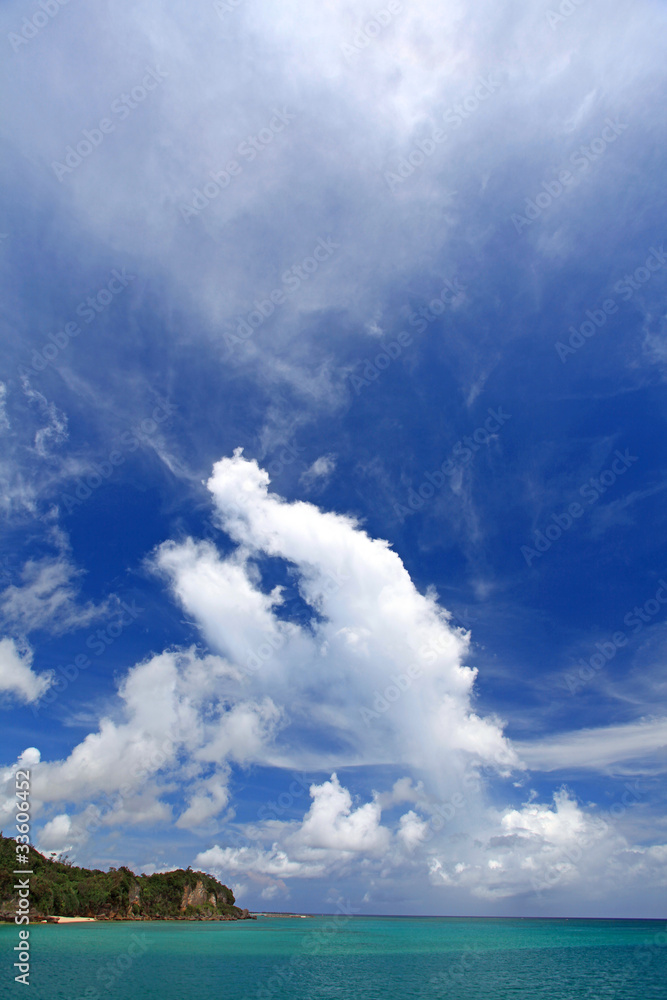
(360, 958)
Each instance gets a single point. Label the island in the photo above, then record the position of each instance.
(59, 889)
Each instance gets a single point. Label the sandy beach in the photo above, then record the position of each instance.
(73, 920)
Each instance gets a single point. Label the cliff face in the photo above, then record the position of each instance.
(119, 894)
(198, 897)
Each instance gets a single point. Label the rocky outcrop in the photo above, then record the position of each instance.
(196, 896)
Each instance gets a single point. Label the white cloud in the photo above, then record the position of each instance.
(634, 747)
(4, 419)
(254, 861)
(301, 700)
(175, 722)
(30, 755)
(331, 835)
(239, 889)
(558, 826)
(374, 115)
(56, 835)
(22, 470)
(17, 676)
(319, 471)
(402, 791)
(235, 615)
(52, 433)
(412, 830)
(271, 891)
(374, 642)
(206, 800)
(534, 849)
(332, 824)
(47, 598)
(277, 692)
(246, 730)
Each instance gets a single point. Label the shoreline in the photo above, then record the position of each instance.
(56, 919)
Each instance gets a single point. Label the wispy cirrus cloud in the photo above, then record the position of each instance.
(629, 747)
(47, 598)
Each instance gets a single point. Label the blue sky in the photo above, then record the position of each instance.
(333, 422)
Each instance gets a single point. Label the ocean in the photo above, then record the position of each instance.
(341, 957)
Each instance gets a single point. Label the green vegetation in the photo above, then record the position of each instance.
(59, 887)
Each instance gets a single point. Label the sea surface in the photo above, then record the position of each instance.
(360, 958)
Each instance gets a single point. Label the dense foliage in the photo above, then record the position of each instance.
(58, 887)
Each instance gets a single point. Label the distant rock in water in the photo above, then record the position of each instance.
(58, 887)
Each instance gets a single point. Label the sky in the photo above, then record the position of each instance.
(333, 432)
